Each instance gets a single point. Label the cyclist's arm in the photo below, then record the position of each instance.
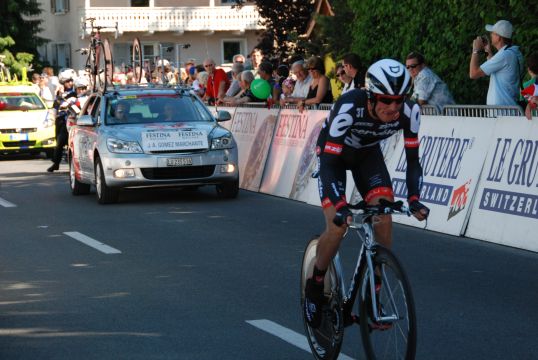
(414, 169)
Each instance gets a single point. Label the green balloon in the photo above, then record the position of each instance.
(260, 88)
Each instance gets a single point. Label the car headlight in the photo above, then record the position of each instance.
(223, 142)
(122, 146)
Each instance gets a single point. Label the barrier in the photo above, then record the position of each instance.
(505, 209)
(429, 110)
(482, 111)
(451, 154)
(480, 171)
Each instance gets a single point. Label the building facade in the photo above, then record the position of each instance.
(179, 29)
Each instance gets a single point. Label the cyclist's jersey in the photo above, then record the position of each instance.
(350, 139)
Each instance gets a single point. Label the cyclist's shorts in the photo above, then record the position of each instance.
(369, 171)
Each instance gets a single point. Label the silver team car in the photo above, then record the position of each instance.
(150, 136)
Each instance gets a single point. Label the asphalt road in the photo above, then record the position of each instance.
(189, 276)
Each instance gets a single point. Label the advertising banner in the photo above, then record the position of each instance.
(452, 153)
(505, 209)
(253, 130)
(292, 157)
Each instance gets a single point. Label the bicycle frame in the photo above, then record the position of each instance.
(364, 223)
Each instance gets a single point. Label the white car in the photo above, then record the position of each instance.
(29, 131)
(150, 136)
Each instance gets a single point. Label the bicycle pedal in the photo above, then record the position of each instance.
(379, 326)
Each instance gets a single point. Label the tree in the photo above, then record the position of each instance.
(18, 30)
(284, 21)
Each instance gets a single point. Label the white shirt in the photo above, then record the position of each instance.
(302, 87)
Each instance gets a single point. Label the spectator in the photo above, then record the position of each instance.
(341, 75)
(52, 80)
(428, 88)
(354, 69)
(41, 82)
(287, 87)
(235, 87)
(191, 63)
(532, 69)
(255, 60)
(236, 59)
(280, 74)
(302, 84)
(265, 72)
(319, 90)
(217, 82)
(200, 84)
(531, 95)
(245, 95)
(504, 68)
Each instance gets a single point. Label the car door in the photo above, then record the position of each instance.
(87, 136)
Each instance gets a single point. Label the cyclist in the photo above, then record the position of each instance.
(350, 140)
(61, 104)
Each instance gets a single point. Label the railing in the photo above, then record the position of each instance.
(428, 110)
(178, 19)
(483, 111)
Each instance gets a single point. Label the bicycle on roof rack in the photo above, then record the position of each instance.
(99, 63)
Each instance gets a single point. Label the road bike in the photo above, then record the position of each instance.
(386, 310)
(99, 63)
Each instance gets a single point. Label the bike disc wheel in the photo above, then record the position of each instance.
(137, 60)
(104, 68)
(325, 341)
(389, 339)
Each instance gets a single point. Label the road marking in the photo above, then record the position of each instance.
(287, 335)
(6, 203)
(104, 248)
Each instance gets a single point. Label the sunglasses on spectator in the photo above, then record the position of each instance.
(208, 65)
(389, 99)
(411, 66)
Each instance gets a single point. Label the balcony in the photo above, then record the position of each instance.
(175, 19)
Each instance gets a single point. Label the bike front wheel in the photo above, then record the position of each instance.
(388, 325)
(325, 341)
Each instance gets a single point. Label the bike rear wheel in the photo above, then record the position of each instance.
(137, 61)
(325, 341)
(387, 339)
(103, 68)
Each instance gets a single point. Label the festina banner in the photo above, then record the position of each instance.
(253, 130)
(505, 209)
(292, 152)
(452, 152)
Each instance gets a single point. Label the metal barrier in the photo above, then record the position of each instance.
(429, 110)
(482, 111)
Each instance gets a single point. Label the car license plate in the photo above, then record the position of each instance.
(184, 161)
(18, 137)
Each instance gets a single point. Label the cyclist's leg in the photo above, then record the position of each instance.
(374, 183)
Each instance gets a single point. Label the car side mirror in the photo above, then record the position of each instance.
(85, 120)
(223, 115)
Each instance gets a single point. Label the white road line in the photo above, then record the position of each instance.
(6, 203)
(104, 248)
(287, 335)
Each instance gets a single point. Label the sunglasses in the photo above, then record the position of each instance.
(341, 73)
(311, 69)
(388, 99)
(208, 65)
(411, 66)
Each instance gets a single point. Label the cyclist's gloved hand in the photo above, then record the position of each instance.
(342, 216)
(419, 210)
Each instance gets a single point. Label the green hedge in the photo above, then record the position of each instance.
(443, 30)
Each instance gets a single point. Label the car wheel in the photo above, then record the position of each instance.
(228, 190)
(77, 188)
(105, 194)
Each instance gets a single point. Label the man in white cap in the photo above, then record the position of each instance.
(505, 67)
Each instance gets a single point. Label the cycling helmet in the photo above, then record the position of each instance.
(387, 77)
(81, 82)
(66, 75)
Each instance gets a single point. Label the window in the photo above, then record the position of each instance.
(61, 55)
(59, 6)
(139, 3)
(231, 48)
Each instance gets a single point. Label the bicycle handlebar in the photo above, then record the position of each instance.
(383, 208)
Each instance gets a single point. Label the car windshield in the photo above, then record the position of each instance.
(29, 100)
(154, 108)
